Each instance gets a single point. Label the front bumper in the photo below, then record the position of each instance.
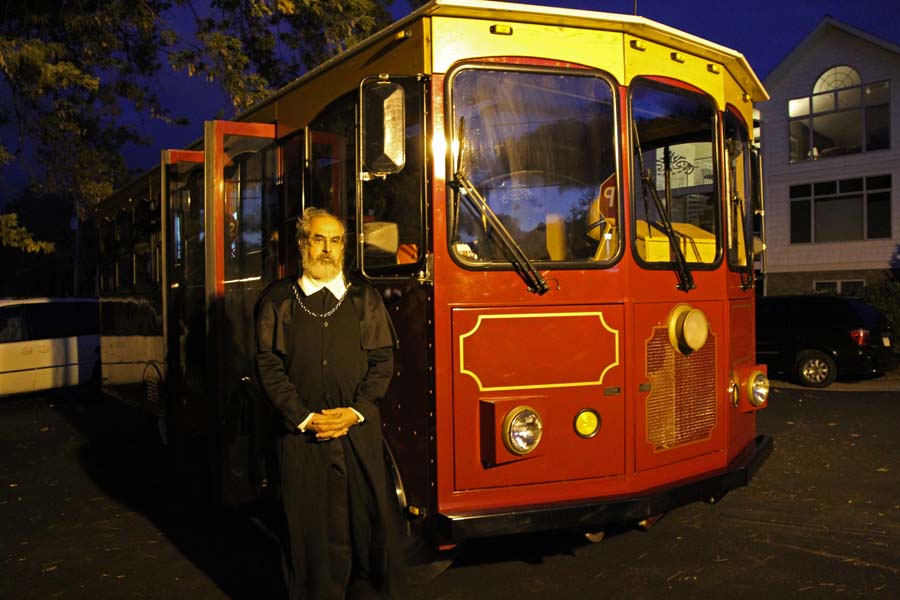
(591, 516)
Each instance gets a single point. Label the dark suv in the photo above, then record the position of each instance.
(818, 338)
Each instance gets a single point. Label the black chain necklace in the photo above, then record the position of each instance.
(315, 314)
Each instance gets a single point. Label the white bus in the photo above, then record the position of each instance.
(48, 343)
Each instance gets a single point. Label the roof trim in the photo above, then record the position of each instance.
(734, 61)
(826, 24)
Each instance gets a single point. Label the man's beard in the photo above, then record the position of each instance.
(326, 268)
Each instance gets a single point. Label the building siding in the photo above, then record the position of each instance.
(794, 266)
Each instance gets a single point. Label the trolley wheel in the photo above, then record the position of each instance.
(816, 369)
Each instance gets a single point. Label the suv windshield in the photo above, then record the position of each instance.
(538, 146)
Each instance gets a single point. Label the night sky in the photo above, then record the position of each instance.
(762, 33)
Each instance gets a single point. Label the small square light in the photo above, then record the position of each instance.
(501, 29)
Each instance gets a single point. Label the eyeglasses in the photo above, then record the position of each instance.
(319, 241)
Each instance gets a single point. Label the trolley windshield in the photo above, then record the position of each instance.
(538, 147)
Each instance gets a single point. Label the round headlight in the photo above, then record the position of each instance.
(758, 388)
(522, 429)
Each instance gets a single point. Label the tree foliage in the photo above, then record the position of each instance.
(69, 70)
(13, 235)
(253, 47)
(75, 73)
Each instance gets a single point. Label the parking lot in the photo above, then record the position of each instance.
(86, 513)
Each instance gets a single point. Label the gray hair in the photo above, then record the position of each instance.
(304, 223)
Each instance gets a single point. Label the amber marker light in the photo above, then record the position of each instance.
(587, 423)
(522, 430)
(734, 390)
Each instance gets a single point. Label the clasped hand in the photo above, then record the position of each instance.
(332, 423)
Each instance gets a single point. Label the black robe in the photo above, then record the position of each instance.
(333, 492)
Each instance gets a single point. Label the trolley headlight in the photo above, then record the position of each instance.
(688, 328)
(522, 430)
(757, 388)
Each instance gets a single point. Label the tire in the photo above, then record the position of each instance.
(816, 369)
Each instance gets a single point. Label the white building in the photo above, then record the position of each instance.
(831, 141)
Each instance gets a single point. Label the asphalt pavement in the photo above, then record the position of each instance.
(85, 512)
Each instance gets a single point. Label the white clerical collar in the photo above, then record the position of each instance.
(336, 286)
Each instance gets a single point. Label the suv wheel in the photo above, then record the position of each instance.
(816, 369)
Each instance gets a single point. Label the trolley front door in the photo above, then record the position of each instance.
(242, 217)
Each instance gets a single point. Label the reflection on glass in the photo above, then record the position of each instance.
(675, 131)
(539, 146)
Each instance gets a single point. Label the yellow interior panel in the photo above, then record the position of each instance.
(698, 245)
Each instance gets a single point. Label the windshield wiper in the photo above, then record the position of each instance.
(685, 279)
(492, 224)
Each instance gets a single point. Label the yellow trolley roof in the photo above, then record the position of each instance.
(639, 27)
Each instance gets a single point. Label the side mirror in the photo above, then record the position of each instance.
(384, 128)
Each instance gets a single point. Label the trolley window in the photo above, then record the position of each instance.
(392, 203)
(739, 211)
(537, 147)
(675, 198)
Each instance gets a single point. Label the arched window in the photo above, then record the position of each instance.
(837, 78)
(843, 115)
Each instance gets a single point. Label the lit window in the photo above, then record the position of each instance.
(842, 116)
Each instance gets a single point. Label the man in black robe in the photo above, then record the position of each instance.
(325, 358)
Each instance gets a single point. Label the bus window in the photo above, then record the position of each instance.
(675, 177)
(193, 221)
(392, 205)
(145, 221)
(12, 325)
(539, 146)
(251, 206)
(293, 157)
(332, 165)
(332, 157)
(738, 215)
(125, 261)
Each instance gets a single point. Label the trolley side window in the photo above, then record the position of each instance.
(674, 195)
(252, 214)
(739, 212)
(124, 259)
(392, 202)
(538, 146)
(332, 164)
